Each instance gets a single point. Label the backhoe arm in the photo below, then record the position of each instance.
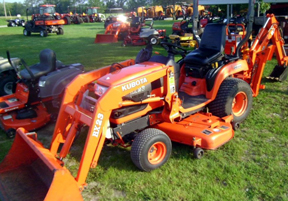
(262, 50)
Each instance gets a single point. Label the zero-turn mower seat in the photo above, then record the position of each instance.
(47, 64)
(211, 46)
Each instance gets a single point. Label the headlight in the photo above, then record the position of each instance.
(99, 89)
(41, 83)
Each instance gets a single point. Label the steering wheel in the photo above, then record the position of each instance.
(173, 49)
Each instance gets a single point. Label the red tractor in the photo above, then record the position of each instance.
(45, 21)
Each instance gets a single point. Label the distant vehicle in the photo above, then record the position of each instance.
(44, 20)
(16, 22)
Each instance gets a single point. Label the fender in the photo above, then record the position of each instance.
(228, 70)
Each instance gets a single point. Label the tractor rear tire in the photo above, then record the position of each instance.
(43, 33)
(150, 149)
(60, 31)
(77, 20)
(234, 97)
(67, 20)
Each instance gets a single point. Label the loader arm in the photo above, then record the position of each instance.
(261, 51)
(72, 115)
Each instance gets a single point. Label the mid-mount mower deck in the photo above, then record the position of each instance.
(146, 103)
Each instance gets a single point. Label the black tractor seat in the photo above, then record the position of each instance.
(211, 47)
(46, 65)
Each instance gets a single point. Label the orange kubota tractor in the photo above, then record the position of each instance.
(115, 31)
(145, 103)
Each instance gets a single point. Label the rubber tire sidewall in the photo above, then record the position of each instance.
(222, 105)
(152, 38)
(60, 31)
(43, 33)
(4, 81)
(141, 145)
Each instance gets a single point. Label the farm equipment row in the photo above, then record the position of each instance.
(132, 33)
(147, 103)
(184, 11)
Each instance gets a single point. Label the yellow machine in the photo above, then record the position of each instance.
(184, 41)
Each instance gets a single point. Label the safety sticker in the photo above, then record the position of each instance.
(224, 127)
(207, 132)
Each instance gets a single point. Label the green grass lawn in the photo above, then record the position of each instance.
(252, 166)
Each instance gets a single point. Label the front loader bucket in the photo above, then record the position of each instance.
(31, 172)
(279, 73)
(106, 38)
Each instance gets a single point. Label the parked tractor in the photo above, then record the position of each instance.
(71, 18)
(146, 103)
(93, 15)
(45, 21)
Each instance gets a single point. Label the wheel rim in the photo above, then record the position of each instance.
(41, 33)
(153, 41)
(157, 153)
(200, 153)
(25, 32)
(240, 104)
(8, 88)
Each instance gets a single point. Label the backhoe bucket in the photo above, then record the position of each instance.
(31, 172)
(106, 38)
(279, 73)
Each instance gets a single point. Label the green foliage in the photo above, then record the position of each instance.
(12, 9)
(264, 6)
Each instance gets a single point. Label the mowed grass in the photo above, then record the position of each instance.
(252, 166)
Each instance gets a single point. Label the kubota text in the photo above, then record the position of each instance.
(134, 84)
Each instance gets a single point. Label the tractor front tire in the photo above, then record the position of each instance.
(43, 33)
(10, 133)
(234, 97)
(153, 40)
(26, 32)
(6, 85)
(150, 149)
(60, 31)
